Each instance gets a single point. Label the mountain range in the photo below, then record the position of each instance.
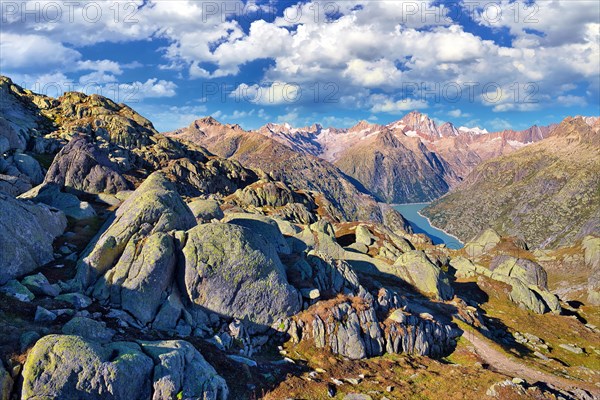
(409, 160)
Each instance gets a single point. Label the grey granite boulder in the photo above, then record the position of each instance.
(27, 232)
(50, 194)
(206, 210)
(155, 206)
(81, 165)
(180, 370)
(137, 283)
(71, 367)
(415, 268)
(263, 226)
(233, 271)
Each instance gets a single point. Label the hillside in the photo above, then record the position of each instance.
(547, 193)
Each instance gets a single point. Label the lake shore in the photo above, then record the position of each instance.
(412, 213)
(440, 229)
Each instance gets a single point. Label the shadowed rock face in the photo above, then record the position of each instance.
(70, 367)
(82, 166)
(26, 235)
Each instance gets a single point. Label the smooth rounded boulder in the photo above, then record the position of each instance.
(232, 271)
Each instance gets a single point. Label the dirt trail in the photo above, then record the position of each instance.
(505, 365)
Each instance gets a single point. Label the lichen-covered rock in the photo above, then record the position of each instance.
(350, 327)
(88, 329)
(180, 370)
(522, 295)
(38, 284)
(263, 226)
(26, 235)
(364, 236)
(77, 300)
(415, 268)
(70, 367)
(527, 271)
(14, 288)
(206, 210)
(155, 206)
(483, 243)
(137, 283)
(81, 165)
(6, 384)
(465, 268)
(235, 272)
(50, 194)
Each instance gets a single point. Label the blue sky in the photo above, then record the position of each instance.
(494, 64)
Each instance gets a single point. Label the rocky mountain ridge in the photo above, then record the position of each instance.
(434, 158)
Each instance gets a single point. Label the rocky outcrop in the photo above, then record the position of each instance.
(482, 243)
(154, 207)
(82, 166)
(591, 248)
(351, 327)
(234, 271)
(27, 232)
(415, 268)
(206, 210)
(66, 366)
(50, 194)
(525, 270)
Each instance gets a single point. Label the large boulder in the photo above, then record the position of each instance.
(415, 268)
(484, 242)
(27, 232)
(29, 166)
(155, 206)
(206, 210)
(71, 367)
(263, 226)
(527, 271)
(81, 165)
(233, 271)
(139, 280)
(50, 194)
(180, 370)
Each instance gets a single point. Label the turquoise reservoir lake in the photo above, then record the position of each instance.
(420, 224)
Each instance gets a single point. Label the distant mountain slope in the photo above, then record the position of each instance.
(301, 170)
(547, 193)
(396, 168)
(410, 160)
